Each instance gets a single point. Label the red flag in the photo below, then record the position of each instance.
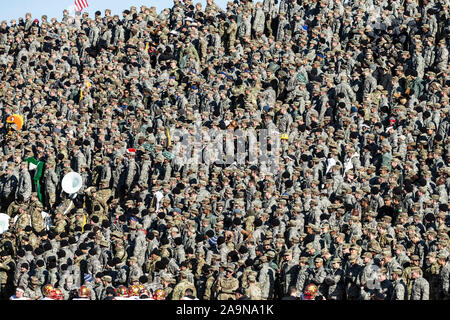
(80, 5)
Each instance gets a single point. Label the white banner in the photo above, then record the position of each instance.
(4, 222)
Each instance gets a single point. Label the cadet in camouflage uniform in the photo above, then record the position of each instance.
(317, 276)
(225, 286)
(266, 276)
(50, 183)
(399, 288)
(253, 290)
(7, 268)
(420, 287)
(444, 276)
(24, 184)
(8, 187)
(182, 285)
(33, 291)
(287, 272)
(407, 274)
(258, 19)
(35, 207)
(431, 274)
(335, 281)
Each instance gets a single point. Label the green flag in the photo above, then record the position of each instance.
(301, 78)
(149, 147)
(168, 155)
(34, 164)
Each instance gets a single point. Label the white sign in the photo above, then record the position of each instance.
(158, 196)
(4, 222)
(47, 219)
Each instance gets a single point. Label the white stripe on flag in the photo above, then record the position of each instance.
(80, 5)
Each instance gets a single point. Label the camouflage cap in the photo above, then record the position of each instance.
(229, 268)
(336, 260)
(251, 278)
(367, 255)
(415, 257)
(303, 259)
(442, 255)
(167, 277)
(107, 278)
(416, 269)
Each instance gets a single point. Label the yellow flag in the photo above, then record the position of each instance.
(169, 142)
(84, 223)
(146, 47)
(86, 84)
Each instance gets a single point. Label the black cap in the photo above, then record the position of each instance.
(106, 224)
(40, 263)
(178, 241)
(20, 253)
(239, 290)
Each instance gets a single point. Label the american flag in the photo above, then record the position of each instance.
(80, 5)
